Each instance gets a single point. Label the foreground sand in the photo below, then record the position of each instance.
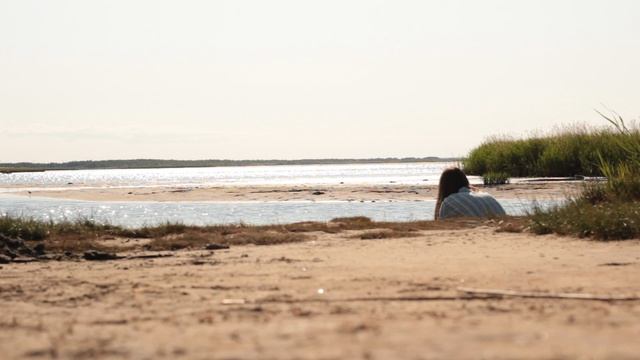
(539, 191)
(332, 298)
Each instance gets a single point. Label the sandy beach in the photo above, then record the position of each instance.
(334, 297)
(538, 190)
(296, 180)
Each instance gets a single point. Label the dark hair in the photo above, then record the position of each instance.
(451, 181)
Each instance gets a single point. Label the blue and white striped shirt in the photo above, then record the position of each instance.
(466, 203)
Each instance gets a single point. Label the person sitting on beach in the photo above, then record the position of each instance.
(457, 199)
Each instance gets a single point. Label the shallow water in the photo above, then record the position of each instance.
(139, 213)
(363, 174)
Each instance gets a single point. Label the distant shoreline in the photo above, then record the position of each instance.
(7, 168)
(11, 171)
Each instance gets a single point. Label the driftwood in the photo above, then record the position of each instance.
(498, 293)
(149, 256)
(360, 299)
(466, 294)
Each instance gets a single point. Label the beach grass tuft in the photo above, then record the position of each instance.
(495, 178)
(610, 220)
(25, 228)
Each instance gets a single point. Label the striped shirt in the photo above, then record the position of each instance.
(466, 203)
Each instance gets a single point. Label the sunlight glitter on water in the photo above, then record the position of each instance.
(363, 174)
(140, 213)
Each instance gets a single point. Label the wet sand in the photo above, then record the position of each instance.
(539, 191)
(333, 297)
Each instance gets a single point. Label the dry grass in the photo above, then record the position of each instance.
(84, 235)
(514, 224)
(198, 239)
(77, 243)
(385, 234)
(264, 238)
(187, 240)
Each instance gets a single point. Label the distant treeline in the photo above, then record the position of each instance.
(566, 153)
(155, 163)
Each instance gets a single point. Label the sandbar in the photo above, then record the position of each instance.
(532, 191)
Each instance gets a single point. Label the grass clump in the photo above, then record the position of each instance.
(495, 178)
(617, 220)
(27, 229)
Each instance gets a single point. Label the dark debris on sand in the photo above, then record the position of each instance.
(94, 255)
(215, 246)
(17, 250)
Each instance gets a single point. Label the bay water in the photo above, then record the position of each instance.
(139, 213)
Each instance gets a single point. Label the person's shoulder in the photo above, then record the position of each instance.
(455, 197)
(491, 201)
(480, 194)
(450, 207)
(459, 199)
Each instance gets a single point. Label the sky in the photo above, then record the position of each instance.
(291, 79)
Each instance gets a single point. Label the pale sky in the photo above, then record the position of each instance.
(240, 79)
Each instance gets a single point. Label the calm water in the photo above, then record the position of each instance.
(202, 213)
(365, 174)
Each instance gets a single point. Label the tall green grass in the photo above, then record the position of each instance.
(569, 152)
